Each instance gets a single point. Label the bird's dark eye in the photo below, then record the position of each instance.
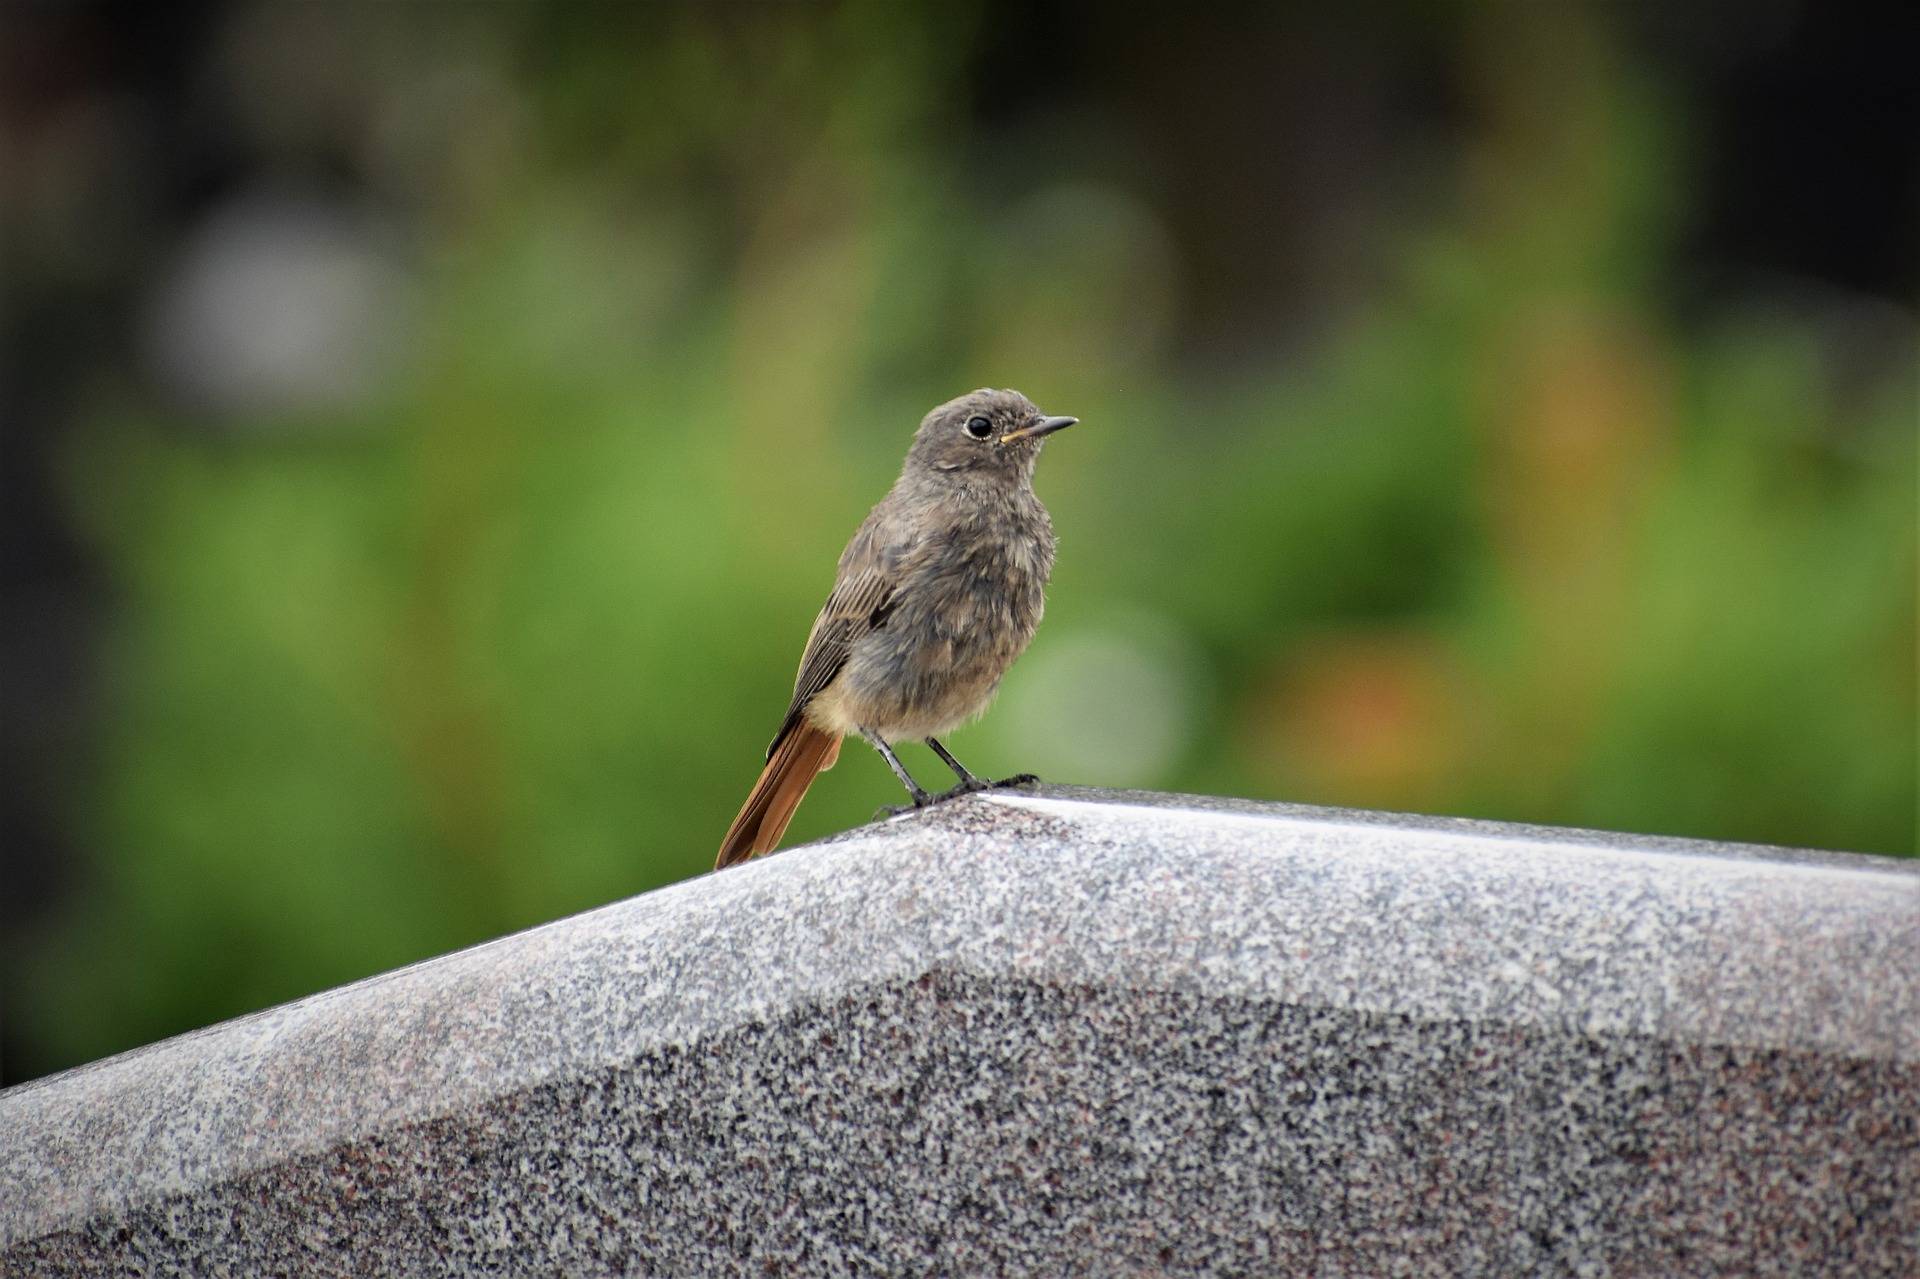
(979, 428)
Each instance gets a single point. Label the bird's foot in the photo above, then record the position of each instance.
(971, 786)
(974, 785)
(967, 787)
(920, 800)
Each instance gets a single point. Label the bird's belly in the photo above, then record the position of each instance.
(938, 661)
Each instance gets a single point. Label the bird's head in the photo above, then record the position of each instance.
(985, 434)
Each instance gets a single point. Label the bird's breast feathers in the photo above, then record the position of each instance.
(968, 599)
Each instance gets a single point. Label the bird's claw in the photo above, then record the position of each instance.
(920, 800)
(968, 787)
(972, 786)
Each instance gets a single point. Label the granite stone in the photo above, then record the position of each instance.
(1058, 1032)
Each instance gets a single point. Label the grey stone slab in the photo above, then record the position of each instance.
(1070, 1032)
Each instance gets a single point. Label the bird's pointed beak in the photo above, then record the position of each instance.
(1045, 426)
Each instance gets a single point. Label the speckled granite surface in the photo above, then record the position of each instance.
(1058, 1034)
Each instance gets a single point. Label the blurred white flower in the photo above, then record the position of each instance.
(279, 305)
(1113, 704)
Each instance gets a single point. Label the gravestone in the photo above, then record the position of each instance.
(1058, 1032)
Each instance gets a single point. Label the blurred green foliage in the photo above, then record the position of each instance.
(506, 640)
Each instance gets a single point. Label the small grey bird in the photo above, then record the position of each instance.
(937, 593)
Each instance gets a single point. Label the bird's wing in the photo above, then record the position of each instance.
(861, 602)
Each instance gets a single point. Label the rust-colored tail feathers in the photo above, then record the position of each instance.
(801, 755)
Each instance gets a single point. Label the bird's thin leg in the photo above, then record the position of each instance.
(970, 783)
(920, 797)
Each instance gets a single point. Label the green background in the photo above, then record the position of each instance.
(1490, 513)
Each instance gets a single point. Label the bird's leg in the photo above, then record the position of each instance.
(968, 782)
(920, 797)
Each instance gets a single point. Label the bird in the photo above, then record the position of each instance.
(939, 590)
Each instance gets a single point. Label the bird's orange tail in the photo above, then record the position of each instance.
(799, 757)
